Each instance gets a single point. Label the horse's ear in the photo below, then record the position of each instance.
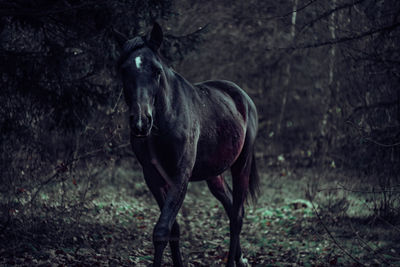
(156, 36)
(120, 37)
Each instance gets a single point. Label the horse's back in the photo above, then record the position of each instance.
(243, 102)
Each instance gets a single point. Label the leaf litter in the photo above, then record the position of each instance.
(115, 229)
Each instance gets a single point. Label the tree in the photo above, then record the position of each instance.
(61, 99)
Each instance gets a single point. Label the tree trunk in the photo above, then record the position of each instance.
(287, 70)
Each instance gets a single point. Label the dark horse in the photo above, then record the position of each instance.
(182, 132)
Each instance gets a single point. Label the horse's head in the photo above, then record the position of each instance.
(142, 73)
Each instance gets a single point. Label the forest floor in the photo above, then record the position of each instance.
(115, 227)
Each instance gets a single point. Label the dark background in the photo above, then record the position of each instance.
(324, 75)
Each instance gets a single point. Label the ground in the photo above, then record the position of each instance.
(283, 228)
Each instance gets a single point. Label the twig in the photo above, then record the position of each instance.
(332, 237)
(352, 38)
(368, 246)
(370, 139)
(381, 144)
(282, 15)
(51, 178)
(360, 191)
(377, 105)
(345, 38)
(66, 165)
(199, 30)
(116, 103)
(383, 220)
(329, 12)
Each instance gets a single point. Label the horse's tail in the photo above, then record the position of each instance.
(254, 180)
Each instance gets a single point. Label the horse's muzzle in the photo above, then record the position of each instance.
(141, 127)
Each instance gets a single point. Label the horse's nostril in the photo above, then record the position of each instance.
(140, 130)
(149, 118)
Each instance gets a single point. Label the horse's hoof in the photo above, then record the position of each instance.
(243, 262)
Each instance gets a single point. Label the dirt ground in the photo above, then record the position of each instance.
(114, 227)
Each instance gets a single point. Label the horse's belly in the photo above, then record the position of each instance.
(215, 155)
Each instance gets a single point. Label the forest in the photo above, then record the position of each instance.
(325, 78)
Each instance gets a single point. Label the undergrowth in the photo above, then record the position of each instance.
(107, 217)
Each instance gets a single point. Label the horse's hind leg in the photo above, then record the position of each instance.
(240, 181)
(220, 189)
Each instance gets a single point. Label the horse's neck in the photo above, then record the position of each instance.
(172, 96)
(175, 88)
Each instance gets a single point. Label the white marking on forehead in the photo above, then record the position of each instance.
(138, 61)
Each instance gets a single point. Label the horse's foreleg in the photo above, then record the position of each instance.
(159, 190)
(166, 226)
(185, 155)
(174, 244)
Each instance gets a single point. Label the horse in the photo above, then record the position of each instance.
(183, 132)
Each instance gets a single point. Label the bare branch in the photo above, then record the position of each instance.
(381, 144)
(376, 105)
(199, 30)
(341, 187)
(65, 166)
(369, 248)
(38, 13)
(329, 12)
(332, 237)
(282, 15)
(370, 139)
(348, 38)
